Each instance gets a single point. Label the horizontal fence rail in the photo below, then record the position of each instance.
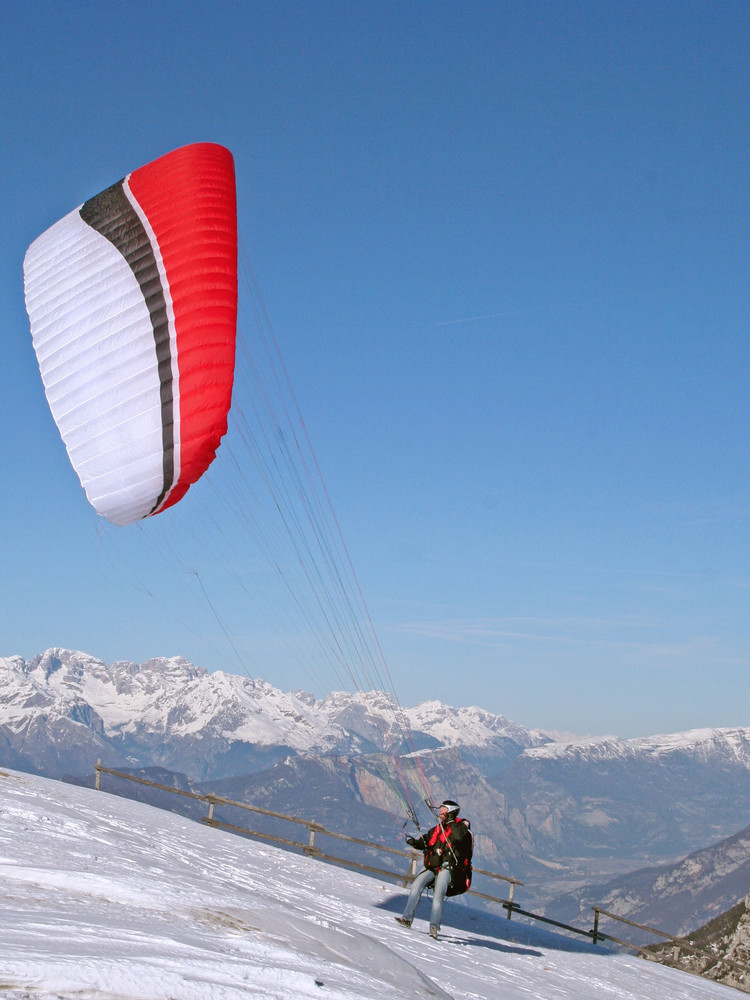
(594, 935)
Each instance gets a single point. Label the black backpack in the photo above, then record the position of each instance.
(461, 872)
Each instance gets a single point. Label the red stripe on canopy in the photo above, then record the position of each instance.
(189, 199)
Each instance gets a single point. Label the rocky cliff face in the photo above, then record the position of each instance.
(720, 950)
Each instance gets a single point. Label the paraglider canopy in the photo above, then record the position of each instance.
(132, 300)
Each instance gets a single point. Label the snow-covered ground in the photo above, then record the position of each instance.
(101, 898)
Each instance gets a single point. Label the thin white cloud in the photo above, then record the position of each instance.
(640, 638)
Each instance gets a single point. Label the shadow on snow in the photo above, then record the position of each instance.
(473, 922)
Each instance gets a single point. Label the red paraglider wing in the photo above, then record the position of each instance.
(133, 307)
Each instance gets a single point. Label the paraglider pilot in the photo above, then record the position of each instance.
(447, 864)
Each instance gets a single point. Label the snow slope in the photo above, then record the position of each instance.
(101, 897)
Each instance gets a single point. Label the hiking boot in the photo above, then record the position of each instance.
(403, 921)
(433, 931)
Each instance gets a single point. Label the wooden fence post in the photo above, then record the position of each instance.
(596, 924)
(98, 769)
(411, 874)
(510, 899)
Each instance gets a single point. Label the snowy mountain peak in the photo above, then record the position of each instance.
(446, 726)
(470, 726)
(700, 744)
(69, 703)
(170, 713)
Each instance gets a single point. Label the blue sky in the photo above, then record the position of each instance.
(504, 250)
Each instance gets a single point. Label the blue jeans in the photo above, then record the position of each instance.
(441, 881)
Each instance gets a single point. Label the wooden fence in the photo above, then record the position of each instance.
(313, 828)
(311, 849)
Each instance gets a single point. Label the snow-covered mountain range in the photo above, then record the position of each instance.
(701, 744)
(62, 709)
(558, 814)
